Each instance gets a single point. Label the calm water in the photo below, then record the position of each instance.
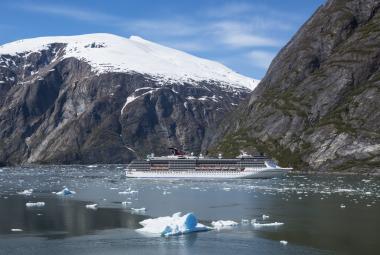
(309, 207)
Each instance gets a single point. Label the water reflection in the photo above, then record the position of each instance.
(61, 217)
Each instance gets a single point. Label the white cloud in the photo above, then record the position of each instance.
(238, 34)
(175, 28)
(228, 10)
(69, 12)
(261, 58)
(187, 45)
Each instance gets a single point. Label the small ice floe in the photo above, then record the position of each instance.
(224, 224)
(272, 224)
(342, 206)
(139, 210)
(92, 166)
(65, 192)
(245, 221)
(265, 217)
(227, 189)
(345, 190)
(173, 225)
(16, 230)
(36, 204)
(128, 192)
(368, 193)
(26, 192)
(166, 192)
(92, 206)
(283, 242)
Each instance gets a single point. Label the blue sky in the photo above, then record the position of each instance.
(244, 35)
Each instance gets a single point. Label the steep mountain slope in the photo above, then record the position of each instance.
(107, 99)
(317, 108)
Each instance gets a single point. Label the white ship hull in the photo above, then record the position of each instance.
(251, 173)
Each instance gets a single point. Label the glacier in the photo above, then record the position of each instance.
(111, 53)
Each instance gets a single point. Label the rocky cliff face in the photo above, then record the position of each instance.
(69, 100)
(317, 108)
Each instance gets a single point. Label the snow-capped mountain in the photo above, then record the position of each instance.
(111, 53)
(104, 98)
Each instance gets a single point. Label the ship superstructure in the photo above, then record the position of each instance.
(180, 165)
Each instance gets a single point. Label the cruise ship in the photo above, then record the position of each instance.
(180, 165)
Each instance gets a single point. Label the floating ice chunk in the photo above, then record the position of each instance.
(139, 210)
(65, 192)
(26, 192)
(173, 225)
(92, 166)
(127, 192)
(92, 206)
(223, 224)
(16, 230)
(244, 221)
(342, 206)
(368, 193)
(345, 190)
(227, 189)
(272, 224)
(265, 217)
(37, 204)
(284, 242)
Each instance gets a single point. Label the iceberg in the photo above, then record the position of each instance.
(37, 204)
(65, 192)
(223, 224)
(26, 192)
(173, 225)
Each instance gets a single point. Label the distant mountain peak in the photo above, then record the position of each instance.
(112, 53)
